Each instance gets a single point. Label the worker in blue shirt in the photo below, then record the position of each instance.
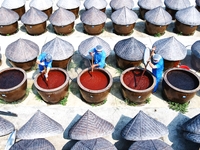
(157, 67)
(99, 56)
(44, 61)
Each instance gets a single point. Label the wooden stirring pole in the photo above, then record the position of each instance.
(92, 62)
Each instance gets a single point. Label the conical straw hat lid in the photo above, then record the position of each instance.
(13, 4)
(34, 16)
(184, 16)
(149, 4)
(39, 126)
(90, 126)
(99, 4)
(143, 127)
(59, 49)
(68, 4)
(130, 49)
(6, 127)
(150, 145)
(196, 49)
(92, 42)
(117, 4)
(177, 4)
(192, 125)
(170, 49)
(41, 5)
(94, 144)
(35, 144)
(62, 17)
(22, 50)
(158, 16)
(89, 17)
(9, 16)
(192, 137)
(124, 16)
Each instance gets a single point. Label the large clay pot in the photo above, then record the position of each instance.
(154, 29)
(24, 65)
(135, 87)
(56, 88)
(124, 64)
(123, 29)
(142, 12)
(9, 29)
(170, 64)
(195, 62)
(36, 29)
(180, 85)
(61, 63)
(13, 84)
(198, 8)
(48, 11)
(94, 86)
(75, 11)
(94, 29)
(64, 30)
(20, 11)
(171, 12)
(184, 29)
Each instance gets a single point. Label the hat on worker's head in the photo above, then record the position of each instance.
(156, 57)
(48, 57)
(99, 48)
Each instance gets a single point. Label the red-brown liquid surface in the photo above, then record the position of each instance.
(95, 80)
(135, 80)
(11, 78)
(55, 79)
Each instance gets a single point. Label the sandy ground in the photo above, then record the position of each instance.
(115, 110)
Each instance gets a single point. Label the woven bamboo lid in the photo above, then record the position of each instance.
(184, 16)
(89, 17)
(149, 4)
(196, 48)
(35, 144)
(177, 4)
(124, 16)
(39, 126)
(130, 49)
(197, 2)
(9, 16)
(90, 126)
(59, 49)
(90, 43)
(192, 137)
(68, 4)
(62, 17)
(94, 144)
(13, 4)
(34, 16)
(158, 16)
(6, 126)
(150, 145)
(143, 127)
(192, 125)
(170, 49)
(117, 4)
(41, 4)
(22, 50)
(99, 4)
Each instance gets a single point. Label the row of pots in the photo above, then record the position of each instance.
(124, 21)
(179, 85)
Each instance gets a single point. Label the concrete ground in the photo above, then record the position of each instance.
(115, 110)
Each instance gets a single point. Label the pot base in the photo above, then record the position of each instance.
(184, 29)
(152, 29)
(64, 30)
(37, 29)
(94, 30)
(123, 29)
(9, 29)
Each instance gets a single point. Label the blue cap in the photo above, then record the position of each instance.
(48, 57)
(156, 57)
(99, 48)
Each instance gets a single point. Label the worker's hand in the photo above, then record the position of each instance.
(91, 53)
(42, 64)
(46, 76)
